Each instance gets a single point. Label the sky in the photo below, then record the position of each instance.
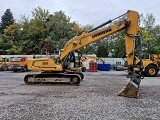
(92, 12)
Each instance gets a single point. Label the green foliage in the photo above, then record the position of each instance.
(14, 50)
(12, 38)
(1, 42)
(150, 35)
(102, 49)
(3, 46)
(29, 36)
(146, 36)
(90, 49)
(6, 20)
(117, 45)
(40, 14)
(148, 21)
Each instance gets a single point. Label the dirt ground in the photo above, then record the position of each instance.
(95, 99)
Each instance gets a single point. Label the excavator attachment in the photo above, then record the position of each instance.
(132, 88)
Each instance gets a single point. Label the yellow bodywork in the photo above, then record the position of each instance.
(44, 64)
(151, 65)
(4, 63)
(130, 25)
(91, 58)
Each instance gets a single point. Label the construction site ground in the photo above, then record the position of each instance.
(95, 99)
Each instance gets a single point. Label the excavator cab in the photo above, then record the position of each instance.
(73, 61)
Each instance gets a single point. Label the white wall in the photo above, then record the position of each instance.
(111, 61)
(8, 56)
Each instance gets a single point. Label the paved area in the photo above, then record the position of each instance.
(95, 99)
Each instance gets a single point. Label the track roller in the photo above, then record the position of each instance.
(76, 80)
(26, 79)
(79, 73)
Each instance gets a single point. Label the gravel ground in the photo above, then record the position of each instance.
(95, 99)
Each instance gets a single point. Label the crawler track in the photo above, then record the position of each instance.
(72, 78)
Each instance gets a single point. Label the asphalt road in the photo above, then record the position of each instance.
(95, 99)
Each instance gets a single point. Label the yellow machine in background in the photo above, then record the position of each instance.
(57, 68)
(4, 63)
(91, 58)
(87, 58)
(151, 65)
(19, 64)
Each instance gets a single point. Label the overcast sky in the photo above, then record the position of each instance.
(93, 12)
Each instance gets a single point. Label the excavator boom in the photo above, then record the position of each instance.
(57, 69)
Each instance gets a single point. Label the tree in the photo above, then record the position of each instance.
(150, 34)
(148, 21)
(12, 37)
(61, 29)
(6, 20)
(46, 31)
(102, 49)
(40, 14)
(34, 31)
(117, 45)
(3, 46)
(153, 44)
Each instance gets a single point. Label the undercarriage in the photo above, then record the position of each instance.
(44, 77)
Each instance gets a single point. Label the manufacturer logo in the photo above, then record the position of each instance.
(101, 33)
(45, 63)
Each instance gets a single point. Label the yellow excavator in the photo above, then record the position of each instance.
(87, 58)
(56, 68)
(4, 64)
(91, 58)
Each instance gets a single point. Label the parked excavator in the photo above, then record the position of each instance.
(56, 68)
(91, 57)
(87, 58)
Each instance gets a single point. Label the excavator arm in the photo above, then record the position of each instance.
(129, 23)
(90, 37)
